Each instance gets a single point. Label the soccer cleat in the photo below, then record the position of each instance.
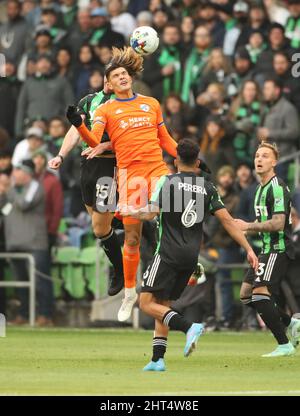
(282, 351)
(192, 337)
(155, 366)
(126, 307)
(116, 284)
(294, 332)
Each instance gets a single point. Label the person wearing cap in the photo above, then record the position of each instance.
(42, 46)
(45, 94)
(121, 21)
(23, 205)
(292, 27)
(24, 149)
(69, 10)
(102, 33)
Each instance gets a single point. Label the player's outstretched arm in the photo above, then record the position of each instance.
(230, 226)
(92, 152)
(71, 140)
(275, 224)
(93, 137)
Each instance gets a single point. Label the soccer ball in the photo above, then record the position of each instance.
(144, 40)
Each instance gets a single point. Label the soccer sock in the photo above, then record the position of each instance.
(175, 321)
(270, 315)
(159, 348)
(285, 318)
(112, 248)
(131, 259)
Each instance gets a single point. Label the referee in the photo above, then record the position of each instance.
(273, 222)
(183, 200)
(98, 184)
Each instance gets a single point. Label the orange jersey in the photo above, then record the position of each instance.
(135, 127)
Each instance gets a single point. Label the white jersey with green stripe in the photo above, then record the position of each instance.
(270, 199)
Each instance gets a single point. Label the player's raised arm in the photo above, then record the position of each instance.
(93, 137)
(230, 226)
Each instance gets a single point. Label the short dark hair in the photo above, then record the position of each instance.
(276, 81)
(188, 151)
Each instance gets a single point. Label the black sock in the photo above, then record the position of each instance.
(285, 318)
(175, 321)
(159, 348)
(270, 315)
(112, 248)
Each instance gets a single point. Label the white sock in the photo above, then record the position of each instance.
(130, 292)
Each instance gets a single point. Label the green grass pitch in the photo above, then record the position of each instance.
(109, 362)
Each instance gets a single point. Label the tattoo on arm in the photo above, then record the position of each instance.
(276, 223)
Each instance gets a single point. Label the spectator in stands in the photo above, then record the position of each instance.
(83, 69)
(215, 145)
(175, 116)
(143, 18)
(5, 162)
(69, 10)
(170, 59)
(228, 250)
(290, 85)
(26, 231)
(276, 12)
(45, 83)
(292, 27)
(121, 21)
(14, 33)
(102, 33)
(206, 15)
(64, 66)
(244, 177)
(258, 21)
(95, 81)
(187, 27)
(243, 71)
(212, 100)
(50, 18)
(56, 134)
(217, 69)
(80, 32)
(9, 91)
(31, 12)
(42, 46)
(53, 196)
(281, 123)
(103, 54)
(232, 31)
(4, 139)
(160, 19)
(256, 45)
(25, 148)
(195, 63)
(4, 186)
(246, 113)
(277, 43)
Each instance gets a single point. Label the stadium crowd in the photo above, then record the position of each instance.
(226, 75)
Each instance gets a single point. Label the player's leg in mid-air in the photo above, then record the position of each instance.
(163, 282)
(256, 292)
(99, 195)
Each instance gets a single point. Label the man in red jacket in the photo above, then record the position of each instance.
(53, 196)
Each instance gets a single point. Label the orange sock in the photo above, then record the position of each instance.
(131, 259)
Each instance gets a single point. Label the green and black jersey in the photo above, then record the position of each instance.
(184, 200)
(274, 198)
(87, 106)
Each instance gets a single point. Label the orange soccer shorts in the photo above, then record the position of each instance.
(137, 182)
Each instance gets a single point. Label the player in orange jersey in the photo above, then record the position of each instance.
(137, 132)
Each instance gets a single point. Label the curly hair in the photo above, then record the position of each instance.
(125, 58)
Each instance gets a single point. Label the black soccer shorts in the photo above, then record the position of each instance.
(166, 282)
(272, 269)
(98, 183)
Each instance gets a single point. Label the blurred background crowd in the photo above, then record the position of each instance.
(226, 73)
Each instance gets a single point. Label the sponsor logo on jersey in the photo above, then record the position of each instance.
(119, 111)
(278, 201)
(145, 107)
(123, 124)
